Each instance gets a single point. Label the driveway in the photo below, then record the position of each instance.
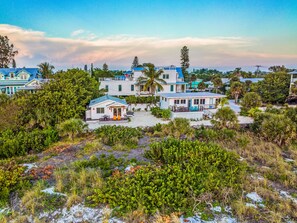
(233, 106)
(140, 119)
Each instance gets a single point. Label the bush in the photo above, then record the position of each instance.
(142, 100)
(11, 179)
(225, 117)
(23, 142)
(161, 113)
(209, 134)
(177, 128)
(249, 101)
(112, 135)
(188, 170)
(72, 127)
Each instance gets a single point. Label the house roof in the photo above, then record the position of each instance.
(105, 98)
(180, 72)
(190, 95)
(34, 72)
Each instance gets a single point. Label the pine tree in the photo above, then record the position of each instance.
(105, 67)
(135, 63)
(92, 70)
(7, 53)
(185, 61)
(13, 63)
(86, 68)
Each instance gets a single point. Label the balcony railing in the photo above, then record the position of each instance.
(201, 107)
(115, 79)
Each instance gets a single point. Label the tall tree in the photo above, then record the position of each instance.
(7, 52)
(135, 63)
(274, 88)
(185, 61)
(13, 63)
(46, 69)
(217, 83)
(92, 70)
(105, 67)
(236, 90)
(278, 69)
(151, 79)
(86, 68)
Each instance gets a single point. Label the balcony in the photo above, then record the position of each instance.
(197, 108)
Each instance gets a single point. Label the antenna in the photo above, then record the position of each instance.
(258, 68)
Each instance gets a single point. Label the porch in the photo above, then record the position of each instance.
(200, 107)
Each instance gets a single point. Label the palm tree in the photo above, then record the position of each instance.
(236, 89)
(217, 83)
(46, 69)
(151, 79)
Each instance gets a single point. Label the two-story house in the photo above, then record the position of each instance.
(14, 79)
(127, 83)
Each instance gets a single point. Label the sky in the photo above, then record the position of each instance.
(219, 34)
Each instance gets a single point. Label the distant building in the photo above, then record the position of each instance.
(127, 84)
(14, 79)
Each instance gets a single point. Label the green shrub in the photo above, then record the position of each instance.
(106, 164)
(112, 135)
(210, 134)
(142, 100)
(72, 127)
(161, 113)
(177, 128)
(188, 170)
(11, 179)
(20, 143)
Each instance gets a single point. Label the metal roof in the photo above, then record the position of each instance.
(190, 95)
(105, 98)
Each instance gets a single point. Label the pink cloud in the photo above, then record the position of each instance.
(83, 47)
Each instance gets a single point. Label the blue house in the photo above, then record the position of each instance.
(13, 79)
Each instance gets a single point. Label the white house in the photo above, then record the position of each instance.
(107, 108)
(189, 105)
(127, 84)
(33, 85)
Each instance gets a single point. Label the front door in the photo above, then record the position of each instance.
(117, 113)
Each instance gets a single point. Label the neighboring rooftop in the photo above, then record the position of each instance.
(34, 72)
(190, 95)
(105, 98)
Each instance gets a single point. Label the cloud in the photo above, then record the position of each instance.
(84, 47)
(77, 32)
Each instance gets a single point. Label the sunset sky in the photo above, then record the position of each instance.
(220, 34)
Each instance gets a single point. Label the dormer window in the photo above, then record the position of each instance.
(11, 75)
(23, 76)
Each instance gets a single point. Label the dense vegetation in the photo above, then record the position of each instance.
(187, 170)
(119, 135)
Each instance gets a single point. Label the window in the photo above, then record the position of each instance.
(211, 101)
(202, 101)
(120, 87)
(165, 99)
(106, 88)
(158, 89)
(165, 76)
(11, 75)
(100, 110)
(176, 102)
(196, 101)
(132, 87)
(171, 87)
(183, 101)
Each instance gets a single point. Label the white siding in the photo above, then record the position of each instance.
(107, 111)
